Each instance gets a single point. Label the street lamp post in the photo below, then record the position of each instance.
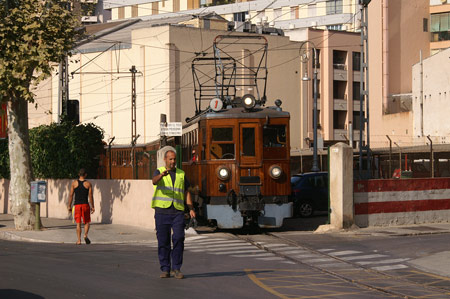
(315, 165)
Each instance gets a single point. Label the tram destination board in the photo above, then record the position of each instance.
(171, 129)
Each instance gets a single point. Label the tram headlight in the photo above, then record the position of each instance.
(223, 173)
(248, 101)
(275, 172)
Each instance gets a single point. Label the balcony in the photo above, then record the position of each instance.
(340, 104)
(340, 74)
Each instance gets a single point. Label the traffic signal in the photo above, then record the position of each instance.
(73, 111)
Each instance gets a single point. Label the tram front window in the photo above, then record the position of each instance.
(222, 144)
(274, 142)
(274, 136)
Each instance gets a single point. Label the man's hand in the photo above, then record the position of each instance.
(165, 172)
(69, 209)
(192, 213)
(92, 210)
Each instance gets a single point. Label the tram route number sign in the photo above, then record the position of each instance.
(171, 129)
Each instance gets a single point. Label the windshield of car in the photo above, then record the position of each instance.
(295, 180)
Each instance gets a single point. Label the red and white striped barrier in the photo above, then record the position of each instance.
(401, 201)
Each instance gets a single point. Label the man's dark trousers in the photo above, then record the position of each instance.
(164, 224)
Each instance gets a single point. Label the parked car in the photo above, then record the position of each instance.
(309, 193)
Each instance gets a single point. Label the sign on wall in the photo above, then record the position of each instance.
(3, 123)
(171, 129)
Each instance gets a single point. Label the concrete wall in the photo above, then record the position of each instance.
(431, 93)
(399, 202)
(116, 201)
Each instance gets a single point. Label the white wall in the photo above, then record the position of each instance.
(433, 119)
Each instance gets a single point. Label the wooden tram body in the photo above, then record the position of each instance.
(253, 148)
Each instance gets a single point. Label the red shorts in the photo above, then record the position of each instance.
(82, 211)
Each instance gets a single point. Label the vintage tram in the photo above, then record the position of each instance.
(239, 164)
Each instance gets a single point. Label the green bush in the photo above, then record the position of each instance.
(58, 151)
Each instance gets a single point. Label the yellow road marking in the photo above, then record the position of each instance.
(260, 284)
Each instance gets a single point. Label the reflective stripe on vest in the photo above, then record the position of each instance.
(166, 192)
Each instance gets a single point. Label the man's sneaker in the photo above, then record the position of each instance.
(164, 274)
(177, 274)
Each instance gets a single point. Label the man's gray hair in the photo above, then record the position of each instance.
(169, 150)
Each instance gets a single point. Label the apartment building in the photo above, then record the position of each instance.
(439, 25)
(338, 73)
(283, 14)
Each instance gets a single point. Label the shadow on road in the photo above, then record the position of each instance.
(16, 294)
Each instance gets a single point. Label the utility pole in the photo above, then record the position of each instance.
(134, 135)
(63, 88)
(364, 90)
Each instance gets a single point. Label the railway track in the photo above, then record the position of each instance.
(402, 285)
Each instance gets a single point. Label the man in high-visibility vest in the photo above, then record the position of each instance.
(168, 202)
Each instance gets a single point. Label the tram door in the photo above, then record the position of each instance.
(249, 152)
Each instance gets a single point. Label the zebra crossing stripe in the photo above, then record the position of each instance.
(345, 252)
(253, 255)
(390, 261)
(220, 249)
(292, 251)
(282, 249)
(213, 243)
(391, 267)
(237, 251)
(275, 258)
(219, 245)
(362, 257)
(325, 250)
(321, 260)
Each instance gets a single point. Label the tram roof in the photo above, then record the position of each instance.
(239, 112)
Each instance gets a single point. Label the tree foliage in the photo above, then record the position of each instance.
(33, 33)
(59, 150)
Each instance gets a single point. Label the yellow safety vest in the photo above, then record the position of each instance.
(166, 192)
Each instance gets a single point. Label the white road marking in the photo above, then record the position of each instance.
(391, 261)
(220, 249)
(294, 251)
(219, 245)
(288, 262)
(198, 237)
(282, 249)
(214, 243)
(362, 257)
(345, 252)
(253, 255)
(325, 250)
(275, 258)
(392, 267)
(237, 251)
(321, 260)
(272, 245)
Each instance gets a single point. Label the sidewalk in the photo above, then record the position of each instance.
(64, 231)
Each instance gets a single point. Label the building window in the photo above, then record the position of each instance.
(334, 7)
(334, 27)
(316, 60)
(276, 14)
(425, 25)
(239, 16)
(356, 61)
(440, 27)
(356, 91)
(294, 12)
(121, 12)
(312, 11)
(339, 60)
(134, 11)
(339, 118)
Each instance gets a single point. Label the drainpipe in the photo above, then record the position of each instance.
(385, 42)
(421, 95)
